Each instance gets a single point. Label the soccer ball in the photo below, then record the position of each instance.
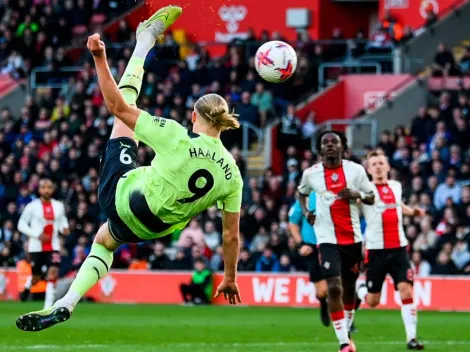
(275, 61)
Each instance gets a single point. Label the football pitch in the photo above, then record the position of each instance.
(145, 328)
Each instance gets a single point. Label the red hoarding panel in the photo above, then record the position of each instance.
(349, 17)
(412, 12)
(293, 290)
(367, 92)
(329, 104)
(223, 20)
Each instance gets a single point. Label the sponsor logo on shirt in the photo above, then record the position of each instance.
(159, 120)
(328, 198)
(380, 207)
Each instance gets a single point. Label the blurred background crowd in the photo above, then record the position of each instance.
(60, 134)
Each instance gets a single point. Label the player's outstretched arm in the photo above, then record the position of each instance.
(408, 211)
(231, 248)
(112, 96)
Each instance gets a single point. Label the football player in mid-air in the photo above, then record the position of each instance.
(191, 172)
(386, 245)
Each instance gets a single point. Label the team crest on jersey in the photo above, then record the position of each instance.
(335, 177)
(385, 190)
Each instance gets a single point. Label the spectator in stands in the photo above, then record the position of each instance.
(268, 261)
(246, 262)
(444, 265)
(421, 267)
(426, 238)
(444, 62)
(449, 189)
(192, 235)
(263, 99)
(461, 254)
(290, 129)
(464, 63)
(248, 112)
(159, 260)
(419, 125)
(430, 14)
(380, 42)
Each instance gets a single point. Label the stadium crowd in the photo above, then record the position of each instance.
(60, 134)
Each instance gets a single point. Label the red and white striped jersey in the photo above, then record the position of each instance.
(385, 218)
(337, 220)
(46, 219)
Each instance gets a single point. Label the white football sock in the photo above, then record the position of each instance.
(349, 314)
(409, 314)
(341, 327)
(29, 282)
(50, 294)
(362, 293)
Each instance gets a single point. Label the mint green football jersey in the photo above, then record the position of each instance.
(189, 174)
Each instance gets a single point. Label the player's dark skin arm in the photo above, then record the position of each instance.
(112, 96)
(303, 200)
(355, 195)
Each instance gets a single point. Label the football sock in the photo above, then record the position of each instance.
(349, 314)
(362, 293)
(131, 81)
(410, 318)
(94, 268)
(50, 293)
(29, 282)
(341, 327)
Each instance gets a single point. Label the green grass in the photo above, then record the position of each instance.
(145, 328)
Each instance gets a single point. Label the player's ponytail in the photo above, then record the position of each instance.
(214, 109)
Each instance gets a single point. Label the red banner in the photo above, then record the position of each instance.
(413, 12)
(291, 290)
(352, 94)
(224, 20)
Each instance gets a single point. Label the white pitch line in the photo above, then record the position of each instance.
(229, 344)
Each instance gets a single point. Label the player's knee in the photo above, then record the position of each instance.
(335, 290)
(321, 289)
(35, 279)
(53, 273)
(373, 299)
(406, 290)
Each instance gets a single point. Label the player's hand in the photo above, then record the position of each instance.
(310, 217)
(43, 238)
(349, 194)
(230, 290)
(305, 250)
(419, 212)
(96, 46)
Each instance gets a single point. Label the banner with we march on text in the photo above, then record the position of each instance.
(291, 290)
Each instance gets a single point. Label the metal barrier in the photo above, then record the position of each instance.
(357, 147)
(246, 127)
(59, 77)
(353, 64)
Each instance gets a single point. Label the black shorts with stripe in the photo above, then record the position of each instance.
(119, 157)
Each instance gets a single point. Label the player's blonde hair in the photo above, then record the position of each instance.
(214, 109)
(377, 152)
